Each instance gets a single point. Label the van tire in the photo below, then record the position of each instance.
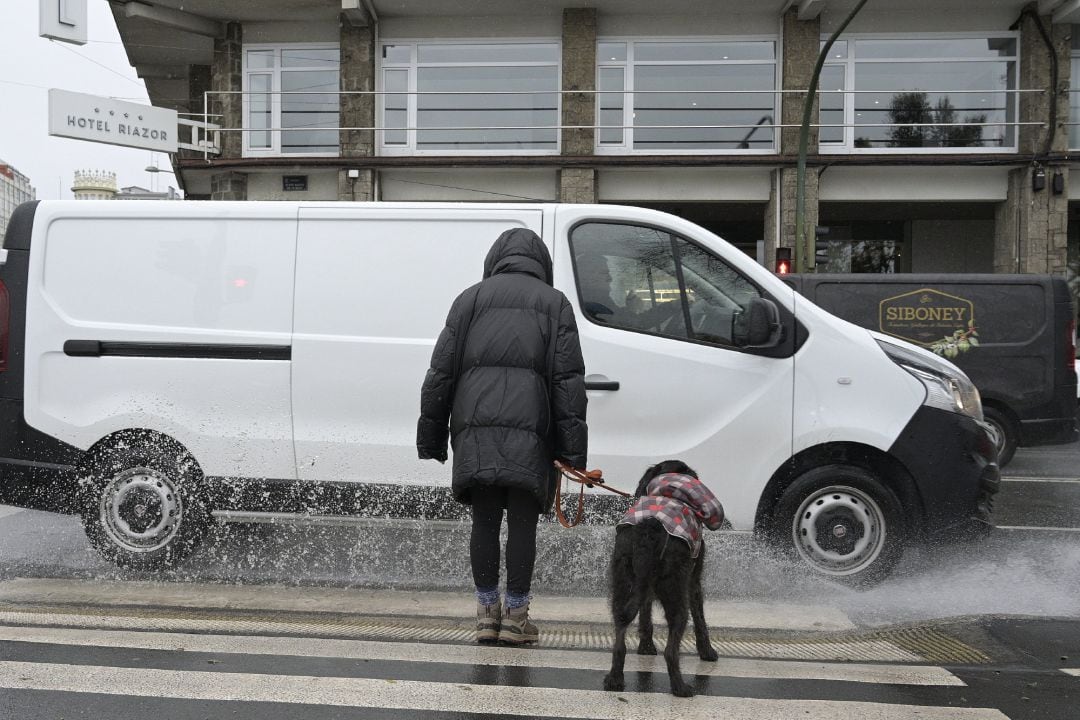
(842, 522)
(141, 502)
(1006, 426)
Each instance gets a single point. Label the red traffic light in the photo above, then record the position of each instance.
(783, 260)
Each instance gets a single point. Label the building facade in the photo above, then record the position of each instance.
(942, 140)
(14, 189)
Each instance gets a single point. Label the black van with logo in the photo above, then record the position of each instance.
(1012, 334)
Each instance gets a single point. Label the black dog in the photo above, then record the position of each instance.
(648, 563)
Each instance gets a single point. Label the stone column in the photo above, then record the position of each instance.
(357, 74)
(199, 81)
(1032, 225)
(228, 186)
(578, 109)
(786, 201)
(801, 41)
(227, 75)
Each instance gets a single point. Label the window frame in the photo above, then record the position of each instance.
(627, 66)
(672, 236)
(409, 149)
(850, 63)
(275, 97)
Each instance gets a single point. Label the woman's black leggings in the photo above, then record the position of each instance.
(522, 513)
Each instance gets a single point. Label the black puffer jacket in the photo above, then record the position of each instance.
(512, 399)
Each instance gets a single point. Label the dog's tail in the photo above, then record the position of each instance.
(650, 539)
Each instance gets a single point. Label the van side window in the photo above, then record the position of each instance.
(648, 280)
(626, 278)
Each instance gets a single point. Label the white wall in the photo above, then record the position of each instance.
(685, 184)
(322, 185)
(469, 185)
(899, 184)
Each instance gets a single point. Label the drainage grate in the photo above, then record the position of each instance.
(908, 645)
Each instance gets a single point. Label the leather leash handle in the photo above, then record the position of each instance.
(590, 478)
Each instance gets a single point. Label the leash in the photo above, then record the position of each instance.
(587, 478)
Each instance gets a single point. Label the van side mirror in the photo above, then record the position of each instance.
(758, 325)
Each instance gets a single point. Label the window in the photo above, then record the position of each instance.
(920, 94)
(647, 280)
(686, 95)
(294, 88)
(469, 97)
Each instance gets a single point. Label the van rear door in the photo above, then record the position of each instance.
(373, 288)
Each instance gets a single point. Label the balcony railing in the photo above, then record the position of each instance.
(206, 136)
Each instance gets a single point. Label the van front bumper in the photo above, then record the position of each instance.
(953, 461)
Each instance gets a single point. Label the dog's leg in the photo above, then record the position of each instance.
(646, 646)
(697, 611)
(624, 606)
(673, 597)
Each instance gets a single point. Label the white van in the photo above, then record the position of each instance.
(164, 360)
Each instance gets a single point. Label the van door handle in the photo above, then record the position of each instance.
(601, 383)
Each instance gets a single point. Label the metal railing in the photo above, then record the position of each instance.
(207, 136)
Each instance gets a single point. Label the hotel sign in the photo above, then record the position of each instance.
(114, 122)
(925, 316)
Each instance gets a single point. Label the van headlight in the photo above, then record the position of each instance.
(946, 387)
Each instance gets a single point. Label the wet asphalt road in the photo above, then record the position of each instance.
(1014, 595)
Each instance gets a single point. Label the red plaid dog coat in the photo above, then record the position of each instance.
(682, 503)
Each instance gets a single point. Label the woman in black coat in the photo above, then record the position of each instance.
(507, 385)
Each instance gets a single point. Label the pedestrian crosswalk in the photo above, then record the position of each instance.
(304, 677)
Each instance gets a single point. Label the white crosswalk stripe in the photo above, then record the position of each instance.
(412, 695)
(478, 655)
(1071, 671)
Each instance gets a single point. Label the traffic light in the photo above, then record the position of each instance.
(783, 260)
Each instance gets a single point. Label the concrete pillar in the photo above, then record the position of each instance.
(358, 189)
(801, 40)
(199, 81)
(785, 230)
(578, 73)
(357, 74)
(1032, 225)
(579, 109)
(227, 75)
(228, 186)
(577, 185)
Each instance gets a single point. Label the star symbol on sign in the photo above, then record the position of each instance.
(112, 112)
(140, 117)
(97, 110)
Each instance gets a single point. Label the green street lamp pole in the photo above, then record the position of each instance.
(805, 248)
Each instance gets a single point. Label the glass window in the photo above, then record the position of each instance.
(923, 93)
(293, 88)
(493, 97)
(1074, 94)
(688, 96)
(648, 280)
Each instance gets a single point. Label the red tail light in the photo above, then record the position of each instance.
(5, 324)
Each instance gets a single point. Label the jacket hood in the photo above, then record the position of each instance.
(519, 250)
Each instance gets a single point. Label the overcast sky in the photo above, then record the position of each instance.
(30, 65)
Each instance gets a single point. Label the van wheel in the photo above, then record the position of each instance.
(1007, 435)
(843, 522)
(141, 506)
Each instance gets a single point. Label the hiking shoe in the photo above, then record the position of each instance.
(516, 627)
(488, 623)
